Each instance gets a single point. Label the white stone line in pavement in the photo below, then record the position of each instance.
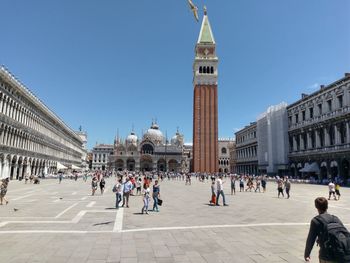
(52, 232)
(118, 223)
(75, 220)
(19, 190)
(91, 204)
(83, 198)
(66, 210)
(212, 226)
(21, 197)
(74, 193)
(145, 229)
(25, 217)
(215, 226)
(80, 215)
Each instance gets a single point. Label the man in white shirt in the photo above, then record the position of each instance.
(220, 191)
(331, 187)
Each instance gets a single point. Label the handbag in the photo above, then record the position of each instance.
(160, 202)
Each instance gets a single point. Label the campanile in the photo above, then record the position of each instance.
(205, 102)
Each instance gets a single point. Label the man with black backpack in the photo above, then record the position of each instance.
(332, 237)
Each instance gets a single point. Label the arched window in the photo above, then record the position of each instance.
(212, 70)
(200, 69)
(204, 70)
(223, 150)
(208, 69)
(147, 148)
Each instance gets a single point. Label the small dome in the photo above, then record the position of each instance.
(177, 139)
(132, 138)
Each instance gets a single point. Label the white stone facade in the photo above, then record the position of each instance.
(100, 156)
(224, 155)
(33, 140)
(319, 132)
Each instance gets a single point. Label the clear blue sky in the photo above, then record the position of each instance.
(114, 63)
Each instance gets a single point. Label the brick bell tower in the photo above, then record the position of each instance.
(205, 102)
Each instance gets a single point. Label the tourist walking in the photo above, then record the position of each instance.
(127, 187)
(263, 184)
(233, 185)
(138, 185)
(337, 190)
(3, 190)
(118, 190)
(258, 183)
(328, 229)
(93, 185)
(250, 185)
(280, 187)
(146, 200)
(331, 187)
(60, 177)
(213, 194)
(102, 185)
(241, 184)
(287, 185)
(220, 191)
(156, 195)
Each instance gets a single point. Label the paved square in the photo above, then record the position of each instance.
(64, 223)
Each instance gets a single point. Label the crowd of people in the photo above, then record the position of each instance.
(147, 185)
(131, 184)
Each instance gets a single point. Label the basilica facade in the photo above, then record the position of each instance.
(152, 152)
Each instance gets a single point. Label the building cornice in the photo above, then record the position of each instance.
(24, 91)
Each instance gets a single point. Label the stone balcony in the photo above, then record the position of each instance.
(323, 150)
(247, 159)
(322, 118)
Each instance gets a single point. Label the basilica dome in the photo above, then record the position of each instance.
(154, 134)
(132, 138)
(177, 139)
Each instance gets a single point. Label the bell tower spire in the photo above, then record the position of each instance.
(205, 101)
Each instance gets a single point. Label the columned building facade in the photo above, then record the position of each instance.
(205, 102)
(319, 132)
(246, 150)
(33, 140)
(100, 156)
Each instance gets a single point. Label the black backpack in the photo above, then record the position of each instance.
(335, 238)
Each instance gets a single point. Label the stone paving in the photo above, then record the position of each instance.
(64, 223)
